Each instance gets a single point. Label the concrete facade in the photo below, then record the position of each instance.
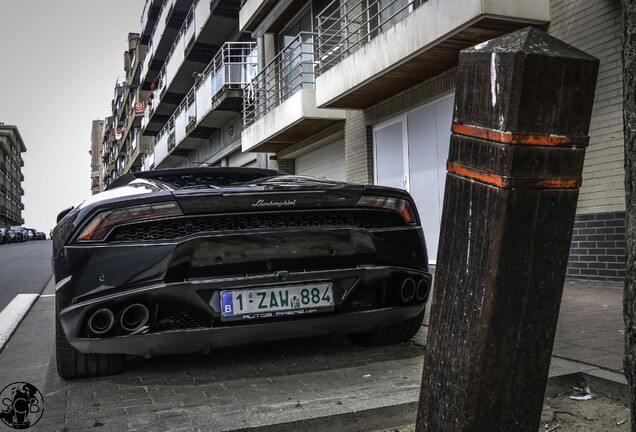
(121, 143)
(361, 83)
(97, 137)
(11, 177)
(194, 70)
(290, 101)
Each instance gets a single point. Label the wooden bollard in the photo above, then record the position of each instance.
(522, 112)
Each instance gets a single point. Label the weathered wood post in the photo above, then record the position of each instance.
(522, 111)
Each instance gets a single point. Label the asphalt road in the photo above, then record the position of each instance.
(25, 268)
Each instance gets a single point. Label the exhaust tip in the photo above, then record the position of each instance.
(407, 290)
(134, 317)
(101, 321)
(422, 290)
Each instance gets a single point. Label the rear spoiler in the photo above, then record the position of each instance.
(177, 173)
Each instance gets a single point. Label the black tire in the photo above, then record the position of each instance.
(395, 333)
(72, 364)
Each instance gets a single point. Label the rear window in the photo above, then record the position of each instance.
(182, 181)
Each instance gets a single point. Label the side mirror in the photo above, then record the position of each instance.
(63, 213)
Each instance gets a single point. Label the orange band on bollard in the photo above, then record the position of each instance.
(510, 182)
(517, 138)
(491, 179)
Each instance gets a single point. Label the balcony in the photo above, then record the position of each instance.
(199, 38)
(148, 161)
(267, 16)
(211, 103)
(171, 16)
(152, 9)
(279, 104)
(369, 51)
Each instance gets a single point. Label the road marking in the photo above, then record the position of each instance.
(47, 295)
(12, 315)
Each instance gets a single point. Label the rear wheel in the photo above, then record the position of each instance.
(395, 333)
(73, 364)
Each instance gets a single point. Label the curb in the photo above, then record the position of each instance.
(603, 382)
(373, 419)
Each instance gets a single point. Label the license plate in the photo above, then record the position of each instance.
(276, 299)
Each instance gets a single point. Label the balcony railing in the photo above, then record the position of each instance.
(343, 27)
(148, 161)
(290, 71)
(233, 66)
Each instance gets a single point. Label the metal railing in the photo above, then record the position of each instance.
(343, 27)
(290, 71)
(233, 66)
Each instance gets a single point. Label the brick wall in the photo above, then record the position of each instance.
(598, 242)
(594, 27)
(287, 165)
(598, 247)
(358, 149)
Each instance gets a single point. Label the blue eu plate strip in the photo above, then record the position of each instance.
(227, 304)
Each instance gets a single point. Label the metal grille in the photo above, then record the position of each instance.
(363, 302)
(174, 229)
(179, 320)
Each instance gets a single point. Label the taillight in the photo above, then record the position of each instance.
(98, 227)
(398, 205)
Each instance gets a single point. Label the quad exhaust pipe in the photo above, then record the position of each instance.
(422, 290)
(407, 290)
(131, 319)
(411, 289)
(101, 321)
(134, 317)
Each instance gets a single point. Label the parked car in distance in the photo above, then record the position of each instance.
(4, 236)
(31, 233)
(20, 233)
(41, 236)
(191, 260)
(13, 236)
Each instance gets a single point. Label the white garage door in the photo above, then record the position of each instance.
(327, 161)
(410, 152)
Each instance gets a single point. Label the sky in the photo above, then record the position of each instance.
(59, 60)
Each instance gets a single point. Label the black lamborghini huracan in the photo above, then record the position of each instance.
(189, 260)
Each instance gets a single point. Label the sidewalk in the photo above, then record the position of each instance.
(591, 328)
(314, 385)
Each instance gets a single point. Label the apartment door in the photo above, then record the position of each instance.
(410, 152)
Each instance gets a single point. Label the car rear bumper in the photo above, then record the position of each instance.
(365, 298)
(204, 340)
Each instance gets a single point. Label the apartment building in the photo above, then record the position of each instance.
(97, 130)
(11, 177)
(195, 68)
(122, 144)
(362, 90)
(355, 90)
